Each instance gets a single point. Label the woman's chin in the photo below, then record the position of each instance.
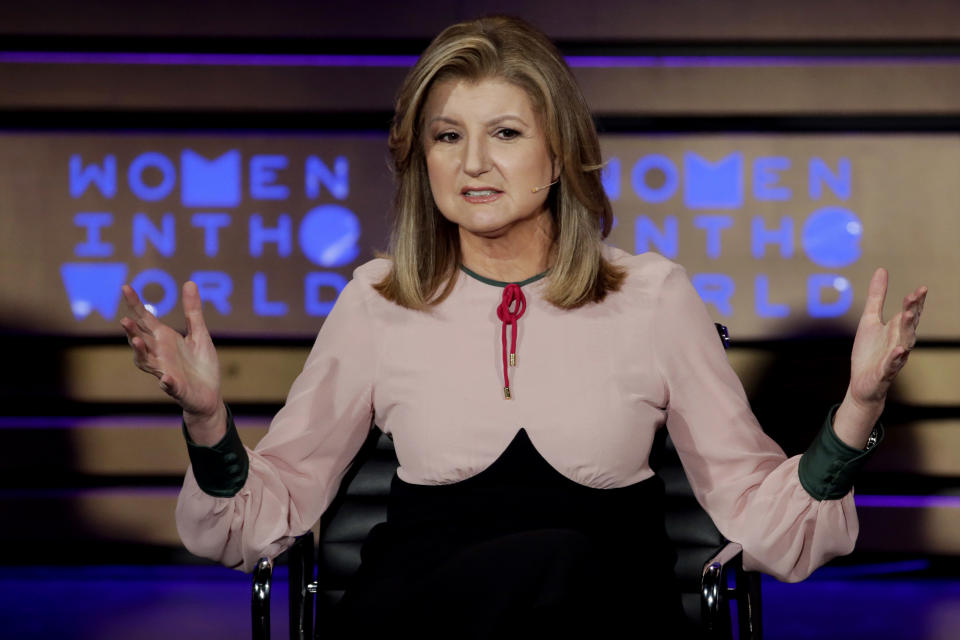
(487, 232)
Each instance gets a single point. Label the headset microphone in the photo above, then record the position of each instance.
(535, 189)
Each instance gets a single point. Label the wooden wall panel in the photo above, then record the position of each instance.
(568, 19)
(263, 374)
(78, 517)
(156, 88)
(249, 374)
(803, 87)
(103, 446)
(929, 379)
(153, 446)
(146, 516)
(922, 530)
(926, 447)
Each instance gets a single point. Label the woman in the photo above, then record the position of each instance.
(484, 347)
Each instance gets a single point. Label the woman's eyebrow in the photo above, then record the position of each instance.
(491, 122)
(446, 119)
(508, 116)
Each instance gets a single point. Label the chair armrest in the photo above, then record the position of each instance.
(715, 595)
(303, 586)
(260, 603)
(714, 609)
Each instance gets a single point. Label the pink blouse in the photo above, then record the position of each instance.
(591, 386)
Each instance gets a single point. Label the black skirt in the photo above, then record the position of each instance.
(518, 550)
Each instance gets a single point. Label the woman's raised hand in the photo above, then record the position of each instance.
(879, 352)
(186, 366)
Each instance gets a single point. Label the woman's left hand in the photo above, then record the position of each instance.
(879, 352)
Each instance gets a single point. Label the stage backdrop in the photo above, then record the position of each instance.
(779, 233)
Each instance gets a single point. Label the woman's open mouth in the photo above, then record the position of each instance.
(480, 196)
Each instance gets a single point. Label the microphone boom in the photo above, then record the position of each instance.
(535, 189)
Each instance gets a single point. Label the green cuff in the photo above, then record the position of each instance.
(220, 470)
(828, 467)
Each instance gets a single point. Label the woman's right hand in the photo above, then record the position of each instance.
(186, 366)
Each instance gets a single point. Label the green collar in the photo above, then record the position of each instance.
(498, 283)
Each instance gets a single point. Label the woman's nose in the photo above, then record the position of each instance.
(477, 157)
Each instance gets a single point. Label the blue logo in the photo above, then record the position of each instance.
(610, 177)
(165, 281)
(82, 177)
(314, 284)
(647, 236)
(337, 181)
(94, 247)
(93, 287)
(160, 164)
(215, 288)
(163, 238)
(765, 178)
(210, 183)
(638, 178)
(831, 237)
(716, 185)
(820, 285)
(761, 236)
(211, 223)
(329, 234)
(279, 235)
(713, 226)
(263, 177)
(716, 289)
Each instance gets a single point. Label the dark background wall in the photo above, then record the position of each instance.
(91, 449)
(613, 20)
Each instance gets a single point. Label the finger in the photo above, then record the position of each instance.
(915, 299)
(908, 329)
(915, 302)
(142, 358)
(921, 294)
(140, 352)
(137, 337)
(130, 298)
(876, 294)
(146, 320)
(909, 312)
(894, 362)
(134, 329)
(168, 384)
(129, 327)
(193, 309)
(911, 299)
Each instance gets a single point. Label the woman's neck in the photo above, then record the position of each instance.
(512, 257)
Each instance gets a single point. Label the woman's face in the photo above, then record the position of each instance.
(486, 153)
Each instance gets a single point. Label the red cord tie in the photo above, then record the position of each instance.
(512, 295)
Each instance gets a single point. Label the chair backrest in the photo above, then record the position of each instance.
(694, 536)
(362, 503)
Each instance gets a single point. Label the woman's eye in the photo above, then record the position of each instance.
(447, 136)
(508, 134)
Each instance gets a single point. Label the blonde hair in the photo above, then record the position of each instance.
(424, 245)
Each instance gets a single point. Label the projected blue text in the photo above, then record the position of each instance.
(211, 197)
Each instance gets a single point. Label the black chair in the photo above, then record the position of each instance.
(706, 562)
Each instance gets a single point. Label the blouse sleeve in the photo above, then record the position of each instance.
(296, 468)
(738, 473)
